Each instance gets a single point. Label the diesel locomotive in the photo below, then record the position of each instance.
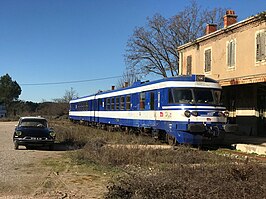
(182, 109)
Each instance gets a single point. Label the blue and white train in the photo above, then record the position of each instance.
(183, 109)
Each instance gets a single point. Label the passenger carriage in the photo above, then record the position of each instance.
(183, 109)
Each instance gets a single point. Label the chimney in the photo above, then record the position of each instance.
(126, 84)
(113, 88)
(229, 18)
(211, 28)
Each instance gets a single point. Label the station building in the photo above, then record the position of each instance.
(236, 57)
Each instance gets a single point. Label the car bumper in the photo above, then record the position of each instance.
(33, 141)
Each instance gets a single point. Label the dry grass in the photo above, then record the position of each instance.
(220, 181)
(162, 173)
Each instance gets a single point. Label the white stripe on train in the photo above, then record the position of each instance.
(160, 115)
(150, 87)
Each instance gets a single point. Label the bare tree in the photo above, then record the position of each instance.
(153, 49)
(69, 95)
(129, 77)
(148, 49)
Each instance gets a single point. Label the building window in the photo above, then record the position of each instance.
(189, 65)
(231, 53)
(260, 45)
(207, 59)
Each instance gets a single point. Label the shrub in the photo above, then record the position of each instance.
(146, 172)
(219, 181)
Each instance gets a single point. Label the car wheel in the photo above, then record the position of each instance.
(51, 147)
(16, 146)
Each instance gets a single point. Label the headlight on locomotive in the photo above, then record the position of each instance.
(195, 113)
(226, 114)
(223, 114)
(187, 113)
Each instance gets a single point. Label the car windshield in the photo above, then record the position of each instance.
(33, 123)
(194, 96)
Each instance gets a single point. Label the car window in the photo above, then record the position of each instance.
(33, 123)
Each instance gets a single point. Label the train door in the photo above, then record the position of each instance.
(152, 108)
(98, 104)
(134, 108)
(95, 110)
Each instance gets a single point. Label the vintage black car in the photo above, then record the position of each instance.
(33, 131)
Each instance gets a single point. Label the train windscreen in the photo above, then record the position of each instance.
(194, 96)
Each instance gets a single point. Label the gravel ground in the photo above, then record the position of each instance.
(23, 175)
(17, 167)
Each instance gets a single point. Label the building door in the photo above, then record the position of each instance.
(262, 109)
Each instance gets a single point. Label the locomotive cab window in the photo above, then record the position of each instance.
(217, 96)
(194, 96)
(203, 96)
(181, 96)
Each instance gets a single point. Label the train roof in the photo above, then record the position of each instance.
(183, 78)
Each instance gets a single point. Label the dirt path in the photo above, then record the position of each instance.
(42, 173)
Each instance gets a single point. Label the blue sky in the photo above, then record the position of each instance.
(46, 41)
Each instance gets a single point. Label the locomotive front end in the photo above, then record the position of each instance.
(199, 114)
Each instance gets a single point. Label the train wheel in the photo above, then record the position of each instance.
(110, 128)
(171, 140)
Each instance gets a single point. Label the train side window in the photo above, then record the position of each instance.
(142, 101)
(83, 106)
(100, 103)
(122, 103)
(152, 101)
(112, 103)
(108, 104)
(170, 96)
(128, 102)
(92, 105)
(87, 105)
(117, 103)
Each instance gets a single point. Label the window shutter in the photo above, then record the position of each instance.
(233, 54)
(208, 60)
(189, 65)
(258, 46)
(228, 54)
(262, 44)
